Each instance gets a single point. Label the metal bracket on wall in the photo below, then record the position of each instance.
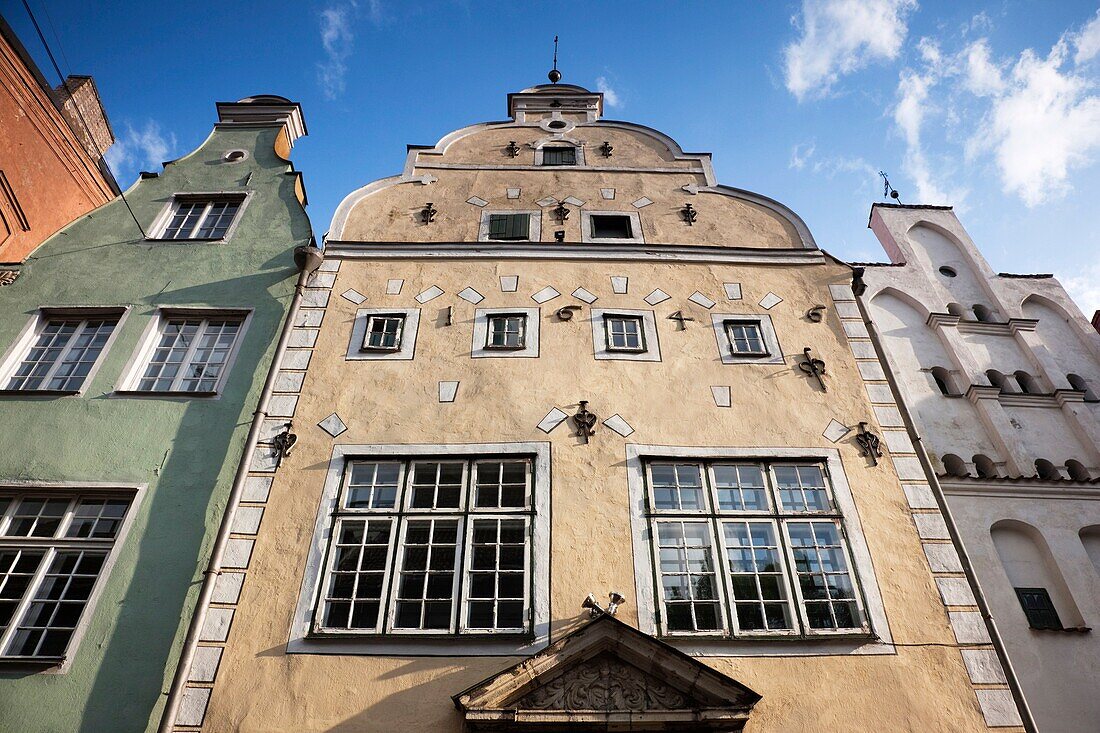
(689, 214)
(448, 316)
(561, 212)
(585, 421)
(606, 149)
(816, 314)
(282, 444)
(565, 313)
(868, 444)
(428, 213)
(814, 367)
(681, 318)
(512, 148)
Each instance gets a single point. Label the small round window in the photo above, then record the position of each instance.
(948, 271)
(556, 125)
(235, 156)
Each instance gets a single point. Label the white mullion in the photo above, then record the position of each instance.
(188, 355)
(384, 600)
(198, 222)
(456, 577)
(32, 590)
(796, 590)
(5, 517)
(528, 565)
(398, 563)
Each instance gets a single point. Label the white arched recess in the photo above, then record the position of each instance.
(1064, 344)
(913, 349)
(934, 248)
(1029, 563)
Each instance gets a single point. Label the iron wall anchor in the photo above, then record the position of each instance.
(428, 213)
(689, 214)
(512, 148)
(814, 367)
(585, 422)
(816, 314)
(681, 318)
(282, 444)
(868, 444)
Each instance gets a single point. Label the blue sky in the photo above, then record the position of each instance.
(991, 106)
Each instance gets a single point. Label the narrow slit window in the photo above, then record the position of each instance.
(510, 226)
(384, 332)
(63, 354)
(624, 333)
(507, 331)
(745, 338)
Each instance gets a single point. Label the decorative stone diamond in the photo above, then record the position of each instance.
(333, 425)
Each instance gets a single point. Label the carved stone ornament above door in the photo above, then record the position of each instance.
(607, 676)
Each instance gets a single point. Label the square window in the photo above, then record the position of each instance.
(745, 338)
(516, 227)
(384, 332)
(195, 217)
(611, 226)
(559, 155)
(624, 333)
(191, 353)
(63, 352)
(506, 331)
(56, 547)
(1039, 608)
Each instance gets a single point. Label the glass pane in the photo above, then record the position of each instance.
(436, 485)
(497, 574)
(372, 485)
(740, 487)
(687, 576)
(37, 517)
(426, 585)
(802, 489)
(500, 484)
(756, 575)
(51, 618)
(359, 567)
(827, 586)
(677, 486)
(97, 518)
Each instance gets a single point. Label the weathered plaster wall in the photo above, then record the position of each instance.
(259, 687)
(185, 449)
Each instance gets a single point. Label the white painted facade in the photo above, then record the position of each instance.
(1001, 376)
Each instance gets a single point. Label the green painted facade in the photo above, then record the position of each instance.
(185, 450)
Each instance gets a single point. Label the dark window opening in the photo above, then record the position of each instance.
(509, 226)
(1039, 608)
(559, 156)
(605, 226)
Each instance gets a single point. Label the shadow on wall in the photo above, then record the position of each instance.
(171, 535)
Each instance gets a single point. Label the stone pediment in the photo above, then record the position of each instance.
(611, 676)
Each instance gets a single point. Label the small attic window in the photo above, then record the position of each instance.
(610, 226)
(559, 155)
(556, 125)
(235, 156)
(948, 271)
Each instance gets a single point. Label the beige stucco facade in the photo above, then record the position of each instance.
(257, 671)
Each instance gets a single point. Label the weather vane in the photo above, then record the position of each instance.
(555, 75)
(887, 189)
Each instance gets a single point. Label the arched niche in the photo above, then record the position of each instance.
(936, 249)
(953, 465)
(1046, 470)
(1062, 342)
(1029, 563)
(1079, 383)
(913, 347)
(984, 466)
(1090, 538)
(1077, 470)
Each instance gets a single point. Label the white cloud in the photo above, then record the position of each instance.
(137, 149)
(1044, 123)
(840, 37)
(912, 109)
(983, 77)
(337, 39)
(610, 96)
(1088, 41)
(801, 153)
(1084, 288)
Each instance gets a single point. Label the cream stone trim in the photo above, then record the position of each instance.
(301, 642)
(880, 641)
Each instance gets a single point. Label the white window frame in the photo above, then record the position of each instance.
(534, 224)
(642, 345)
(476, 642)
(479, 348)
(875, 639)
(491, 330)
(409, 332)
(139, 361)
(767, 331)
(650, 338)
(160, 225)
(397, 336)
(557, 139)
(28, 337)
(637, 237)
(71, 491)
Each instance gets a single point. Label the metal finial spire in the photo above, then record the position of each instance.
(888, 190)
(555, 75)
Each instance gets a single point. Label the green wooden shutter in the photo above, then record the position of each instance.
(498, 226)
(520, 224)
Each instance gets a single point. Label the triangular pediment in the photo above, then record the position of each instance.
(605, 674)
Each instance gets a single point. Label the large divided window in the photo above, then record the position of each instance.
(430, 546)
(63, 351)
(53, 549)
(749, 548)
(188, 351)
(201, 217)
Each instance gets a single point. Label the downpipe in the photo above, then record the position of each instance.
(307, 258)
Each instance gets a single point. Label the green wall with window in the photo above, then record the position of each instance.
(181, 449)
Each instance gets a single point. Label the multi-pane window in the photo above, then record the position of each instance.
(63, 353)
(624, 333)
(52, 551)
(190, 354)
(509, 226)
(745, 338)
(1039, 608)
(384, 332)
(749, 548)
(205, 218)
(559, 155)
(506, 331)
(430, 546)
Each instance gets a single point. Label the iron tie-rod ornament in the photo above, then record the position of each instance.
(561, 212)
(282, 444)
(816, 314)
(585, 422)
(868, 444)
(813, 367)
(681, 318)
(689, 214)
(429, 212)
(606, 149)
(512, 148)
